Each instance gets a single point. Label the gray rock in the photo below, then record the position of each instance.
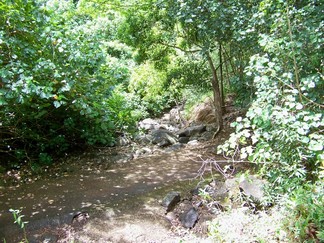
(252, 187)
(189, 218)
(174, 147)
(206, 136)
(148, 124)
(162, 137)
(193, 142)
(171, 200)
(142, 139)
(183, 139)
(191, 131)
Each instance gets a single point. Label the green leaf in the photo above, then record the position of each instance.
(315, 145)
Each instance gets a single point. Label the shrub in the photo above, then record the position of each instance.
(58, 78)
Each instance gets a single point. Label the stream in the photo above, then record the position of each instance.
(122, 199)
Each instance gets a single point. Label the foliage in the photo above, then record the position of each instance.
(59, 68)
(305, 218)
(18, 220)
(283, 128)
(148, 89)
(205, 32)
(188, 72)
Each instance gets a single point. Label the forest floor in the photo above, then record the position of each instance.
(123, 200)
(127, 207)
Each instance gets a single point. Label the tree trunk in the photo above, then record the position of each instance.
(217, 95)
(221, 84)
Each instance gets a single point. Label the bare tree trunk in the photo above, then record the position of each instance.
(221, 84)
(217, 95)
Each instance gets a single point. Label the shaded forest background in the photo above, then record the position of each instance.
(81, 73)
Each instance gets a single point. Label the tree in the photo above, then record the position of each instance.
(200, 28)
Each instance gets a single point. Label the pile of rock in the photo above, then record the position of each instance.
(172, 129)
(206, 202)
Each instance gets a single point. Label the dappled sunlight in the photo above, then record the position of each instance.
(106, 194)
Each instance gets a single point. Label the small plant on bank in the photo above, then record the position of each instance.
(306, 215)
(18, 220)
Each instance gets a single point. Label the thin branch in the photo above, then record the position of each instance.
(213, 164)
(178, 48)
(293, 55)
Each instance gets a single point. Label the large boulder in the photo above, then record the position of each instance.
(204, 113)
(192, 131)
(162, 137)
(148, 124)
(252, 187)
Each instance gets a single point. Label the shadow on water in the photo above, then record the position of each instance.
(112, 192)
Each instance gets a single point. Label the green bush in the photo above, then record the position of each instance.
(283, 128)
(148, 89)
(59, 71)
(305, 214)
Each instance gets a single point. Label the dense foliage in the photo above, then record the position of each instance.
(283, 128)
(59, 69)
(208, 31)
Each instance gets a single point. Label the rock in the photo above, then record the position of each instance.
(162, 137)
(204, 113)
(171, 200)
(206, 136)
(174, 147)
(252, 187)
(191, 131)
(193, 142)
(148, 124)
(189, 218)
(122, 141)
(81, 217)
(183, 139)
(142, 139)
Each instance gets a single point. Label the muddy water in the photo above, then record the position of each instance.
(106, 192)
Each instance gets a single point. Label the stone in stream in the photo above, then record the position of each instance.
(252, 187)
(162, 138)
(81, 217)
(171, 200)
(191, 131)
(148, 124)
(189, 218)
(183, 139)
